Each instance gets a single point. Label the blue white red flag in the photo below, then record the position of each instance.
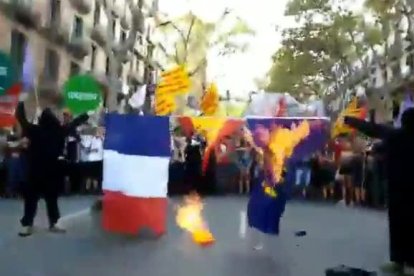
(136, 160)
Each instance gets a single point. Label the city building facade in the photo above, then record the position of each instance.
(68, 37)
(383, 78)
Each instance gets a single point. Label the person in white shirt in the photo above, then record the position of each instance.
(92, 158)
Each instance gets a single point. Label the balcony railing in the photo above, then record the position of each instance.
(21, 11)
(55, 33)
(82, 6)
(79, 46)
(134, 78)
(126, 22)
(99, 35)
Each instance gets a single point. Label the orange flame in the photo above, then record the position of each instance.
(282, 143)
(189, 218)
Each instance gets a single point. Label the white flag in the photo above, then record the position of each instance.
(138, 98)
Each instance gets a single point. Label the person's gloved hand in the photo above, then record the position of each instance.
(23, 97)
(90, 113)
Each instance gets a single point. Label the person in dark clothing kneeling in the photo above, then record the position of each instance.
(398, 155)
(46, 143)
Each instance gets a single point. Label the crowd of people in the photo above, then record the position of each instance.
(229, 165)
(349, 170)
(371, 170)
(39, 158)
(81, 161)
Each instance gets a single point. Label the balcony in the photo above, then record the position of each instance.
(135, 78)
(82, 6)
(56, 34)
(141, 23)
(141, 51)
(22, 11)
(99, 35)
(79, 47)
(126, 22)
(118, 8)
(126, 58)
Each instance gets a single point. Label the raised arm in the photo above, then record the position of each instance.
(21, 117)
(370, 129)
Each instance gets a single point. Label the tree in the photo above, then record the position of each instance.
(322, 50)
(189, 39)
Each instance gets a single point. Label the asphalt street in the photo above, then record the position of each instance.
(335, 235)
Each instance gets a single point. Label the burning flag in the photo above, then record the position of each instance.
(269, 195)
(190, 218)
(213, 129)
(281, 143)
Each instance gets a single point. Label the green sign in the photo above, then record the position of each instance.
(7, 73)
(82, 93)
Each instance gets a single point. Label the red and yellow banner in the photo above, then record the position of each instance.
(164, 105)
(174, 82)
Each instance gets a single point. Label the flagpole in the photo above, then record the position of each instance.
(35, 91)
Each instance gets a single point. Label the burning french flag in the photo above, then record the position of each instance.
(136, 160)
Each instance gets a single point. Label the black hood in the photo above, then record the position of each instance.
(407, 119)
(48, 119)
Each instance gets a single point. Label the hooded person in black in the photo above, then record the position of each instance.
(398, 156)
(46, 144)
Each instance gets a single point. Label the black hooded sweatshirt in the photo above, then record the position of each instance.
(398, 149)
(46, 140)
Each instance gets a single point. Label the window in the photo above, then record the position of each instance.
(113, 26)
(51, 69)
(107, 66)
(132, 63)
(93, 57)
(120, 71)
(155, 5)
(55, 14)
(123, 36)
(18, 44)
(138, 65)
(74, 68)
(97, 13)
(78, 27)
(139, 39)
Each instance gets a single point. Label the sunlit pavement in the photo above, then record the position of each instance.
(335, 235)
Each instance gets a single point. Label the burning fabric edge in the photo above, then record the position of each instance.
(189, 217)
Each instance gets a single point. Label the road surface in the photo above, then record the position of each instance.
(335, 235)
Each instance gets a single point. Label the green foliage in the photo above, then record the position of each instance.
(328, 35)
(194, 37)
